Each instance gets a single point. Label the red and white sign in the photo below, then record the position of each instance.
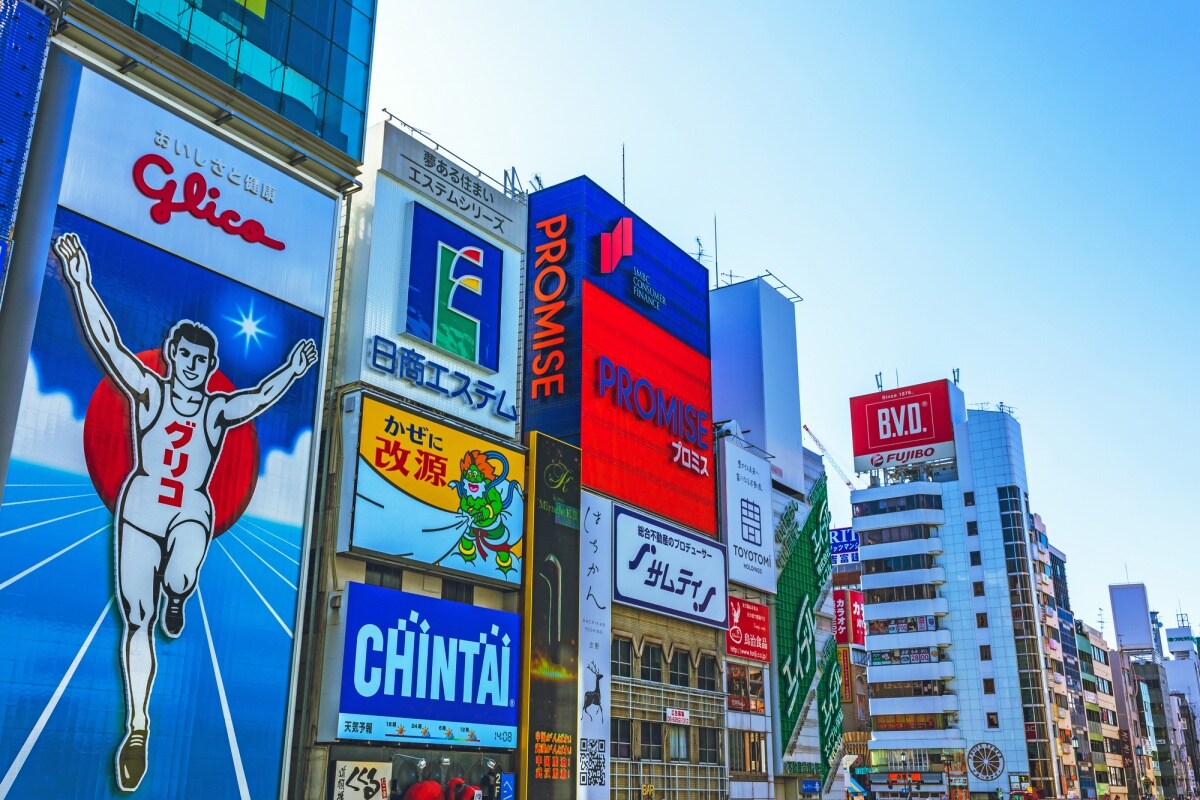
(849, 620)
(646, 415)
(677, 716)
(902, 426)
(749, 634)
(141, 168)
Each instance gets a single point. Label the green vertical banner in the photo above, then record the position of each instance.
(803, 547)
(829, 708)
(552, 621)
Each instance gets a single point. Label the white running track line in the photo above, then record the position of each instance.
(47, 521)
(256, 555)
(273, 547)
(261, 529)
(48, 559)
(14, 769)
(238, 769)
(42, 485)
(238, 567)
(47, 499)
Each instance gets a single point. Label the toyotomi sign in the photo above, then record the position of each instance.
(902, 426)
(419, 669)
(661, 568)
(746, 517)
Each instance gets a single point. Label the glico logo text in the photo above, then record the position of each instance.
(650, 403)
(195, 198)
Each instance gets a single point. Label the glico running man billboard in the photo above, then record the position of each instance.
(426, 492)
(154, 518)
(617, 355)
(902, 426)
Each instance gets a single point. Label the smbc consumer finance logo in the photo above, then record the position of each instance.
(455, 281)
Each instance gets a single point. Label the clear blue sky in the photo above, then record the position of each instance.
(1012, 189)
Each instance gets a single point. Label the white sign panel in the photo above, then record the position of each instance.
(677, 716)
(139, 168)
(746, 516)
(434, 289)
(362, 780)
(662, 568)
(595, 644)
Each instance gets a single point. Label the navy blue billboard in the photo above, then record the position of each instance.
(419, 669)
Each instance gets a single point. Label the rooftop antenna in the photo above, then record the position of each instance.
(954, 372)
(879, 381)
(1100, 613)
(716, 248)
(729, 276)
(622, 173)
(897, 378)
(1181, 619)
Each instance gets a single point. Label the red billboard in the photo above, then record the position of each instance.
(902, 426)
(849, 623)
(857, 616)
(646, 414)
(749, 634)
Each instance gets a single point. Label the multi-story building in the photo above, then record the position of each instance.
(1100, 708)
(1136, 728)
(187, 169)
(1183, 673)
(1078, 776)
(958, 682)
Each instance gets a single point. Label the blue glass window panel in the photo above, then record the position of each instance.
(352, 31)
(303, 101)
(120, 10)
(308, 52)
(317, 14)
(366, 6)
(269, 34)
(348, 78)
(164, 22)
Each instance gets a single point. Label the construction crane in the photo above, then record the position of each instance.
(829, 456)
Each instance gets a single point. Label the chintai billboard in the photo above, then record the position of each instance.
(154, 521)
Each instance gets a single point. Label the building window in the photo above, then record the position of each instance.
(652, 748)
(903, 533)
(891, 505)
(976, 558)
(879, 627)
(875, 566)
(909, 722)
(972, 528)
(622, 738)
(680, 673)
(968, 498)
(747, 752)
(677, 742)
(981, 620)
(710, 745)
(384, 575)
(652, 665)
(985, 652)
(706, 674)
(458, 591)
(897, 594)
(977, 586)
(744, 686)
(993, 719)
(989, 685)
(622, 658)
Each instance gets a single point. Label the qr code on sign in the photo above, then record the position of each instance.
(593, 762)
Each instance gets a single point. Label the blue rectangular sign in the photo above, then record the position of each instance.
(810, 787)
(419, 669)
(843, 541)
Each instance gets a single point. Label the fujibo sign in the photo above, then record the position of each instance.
(423, 670)
(902, 426)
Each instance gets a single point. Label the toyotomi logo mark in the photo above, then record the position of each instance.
(902, 456)
(423, 665)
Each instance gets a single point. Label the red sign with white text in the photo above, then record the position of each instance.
(841, 617)
(902, 426)
(857, 617)
(646, 415)
(749, 634)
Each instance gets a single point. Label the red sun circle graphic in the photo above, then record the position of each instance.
(108, 449)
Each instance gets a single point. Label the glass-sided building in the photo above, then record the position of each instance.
(307, 60)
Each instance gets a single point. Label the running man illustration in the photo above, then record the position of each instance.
(164, 512)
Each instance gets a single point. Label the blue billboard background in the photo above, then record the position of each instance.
(218, 708)
(657, 268)
(404, 711)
